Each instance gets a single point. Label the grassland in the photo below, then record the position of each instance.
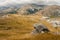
(19, 27)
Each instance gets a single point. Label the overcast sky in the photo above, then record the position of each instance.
(4, 2)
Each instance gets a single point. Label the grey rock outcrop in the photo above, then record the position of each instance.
(40, 28)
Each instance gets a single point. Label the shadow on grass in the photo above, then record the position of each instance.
(4, 35)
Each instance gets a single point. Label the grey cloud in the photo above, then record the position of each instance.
(45, 2)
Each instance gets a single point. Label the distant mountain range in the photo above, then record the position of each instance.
(30, 9)
(11, 8)
(51, 11)
(14, 8)
(27, 9)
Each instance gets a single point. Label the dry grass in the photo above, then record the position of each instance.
(45, 36)
(18, 27)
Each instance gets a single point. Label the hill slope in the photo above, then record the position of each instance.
(53, 10)
(19, 27)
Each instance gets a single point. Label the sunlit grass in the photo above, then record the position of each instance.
(16, 27)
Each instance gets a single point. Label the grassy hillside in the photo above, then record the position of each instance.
(19, 27)
(45, 36)
(16, 25)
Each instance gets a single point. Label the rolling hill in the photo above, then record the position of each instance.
(30, 9)
(19, 27)
(51, 11)
(20, 9)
